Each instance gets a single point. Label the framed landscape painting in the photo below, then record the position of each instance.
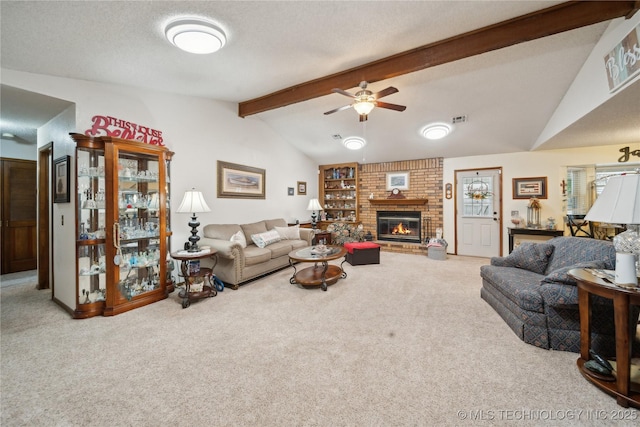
(399, 180)
(238, 181)
(526, 188)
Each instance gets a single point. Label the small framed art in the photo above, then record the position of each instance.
(526, 188)
(61, 182)
(302, 188)
(399, 180)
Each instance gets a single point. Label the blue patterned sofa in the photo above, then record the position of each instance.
(531, 291)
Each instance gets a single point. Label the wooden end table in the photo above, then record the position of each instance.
(322, 237)
(323, 274)
(626, 392)
(208, 289)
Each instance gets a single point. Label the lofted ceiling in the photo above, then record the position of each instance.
(507, 95)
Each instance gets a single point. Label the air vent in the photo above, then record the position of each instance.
(459, 119)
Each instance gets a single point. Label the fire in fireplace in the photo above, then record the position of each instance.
(399, 226)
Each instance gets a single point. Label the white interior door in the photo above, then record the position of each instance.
(478, 220)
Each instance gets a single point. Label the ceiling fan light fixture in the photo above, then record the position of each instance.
(363, 107)
(354, 142)
(195, 35)
(436, 131)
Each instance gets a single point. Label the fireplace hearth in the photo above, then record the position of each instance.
(398, 226)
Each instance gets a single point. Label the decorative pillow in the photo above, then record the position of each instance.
(253, 228)
(263, 240)
(289, 233)
(529, 256)
(239, 238)
(560, 275)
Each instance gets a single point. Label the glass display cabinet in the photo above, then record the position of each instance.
(123, 225)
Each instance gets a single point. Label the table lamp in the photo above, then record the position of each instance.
(314, 205)
(193, 202)
(619, 203)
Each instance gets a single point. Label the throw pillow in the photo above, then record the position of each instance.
(560, 275)
(530, 256)
(239, 238)
(263, 240)
(289, 233)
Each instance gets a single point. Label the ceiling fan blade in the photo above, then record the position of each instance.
(335, 110)
(343, 92)
(390, 106)
(384, 92)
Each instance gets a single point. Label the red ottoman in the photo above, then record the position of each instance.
(361, 253)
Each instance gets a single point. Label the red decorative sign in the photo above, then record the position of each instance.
(110, 126)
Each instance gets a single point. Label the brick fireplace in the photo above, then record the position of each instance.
(423, 197)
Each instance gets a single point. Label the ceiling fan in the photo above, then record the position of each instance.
(365, 101)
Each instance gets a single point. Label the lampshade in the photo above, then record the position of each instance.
(193, 202)
(314, 205)
(619, 202)
(363, 107)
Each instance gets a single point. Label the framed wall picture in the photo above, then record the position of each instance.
(61, 181)
(399, 180)
(302, 188)
(290, 191)
(526, 188)
(242, 182)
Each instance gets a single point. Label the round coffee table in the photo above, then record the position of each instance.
(322, 273)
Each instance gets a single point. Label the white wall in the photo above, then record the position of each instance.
(62, 214)
(14, 150)
(590, 89)
(200, 132)
(550, 163)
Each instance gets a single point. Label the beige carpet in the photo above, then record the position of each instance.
(407, 342)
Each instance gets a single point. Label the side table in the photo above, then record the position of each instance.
(208, 289)
(322, 237)
(626, 392)
(541, 232)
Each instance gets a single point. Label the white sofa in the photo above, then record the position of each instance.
(238, 264)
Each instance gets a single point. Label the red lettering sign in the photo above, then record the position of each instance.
(118, 128)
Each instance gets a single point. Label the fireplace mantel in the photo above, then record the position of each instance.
(398, 201)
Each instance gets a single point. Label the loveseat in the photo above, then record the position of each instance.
(247, 251)
(531, 290)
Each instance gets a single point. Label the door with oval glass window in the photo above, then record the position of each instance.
(478, 221)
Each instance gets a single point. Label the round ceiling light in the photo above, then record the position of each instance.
(354, 142)
(436, 130)
(195, 35)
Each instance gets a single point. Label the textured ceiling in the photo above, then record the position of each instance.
(508, 95)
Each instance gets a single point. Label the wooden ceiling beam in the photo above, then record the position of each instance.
(553, 20)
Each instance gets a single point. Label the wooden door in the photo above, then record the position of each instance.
(18, 210)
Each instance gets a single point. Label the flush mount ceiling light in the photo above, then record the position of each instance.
(195, 35)
(354, 142)
(436, 131)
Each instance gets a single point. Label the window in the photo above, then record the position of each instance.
(584, 184)
(578, 200)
